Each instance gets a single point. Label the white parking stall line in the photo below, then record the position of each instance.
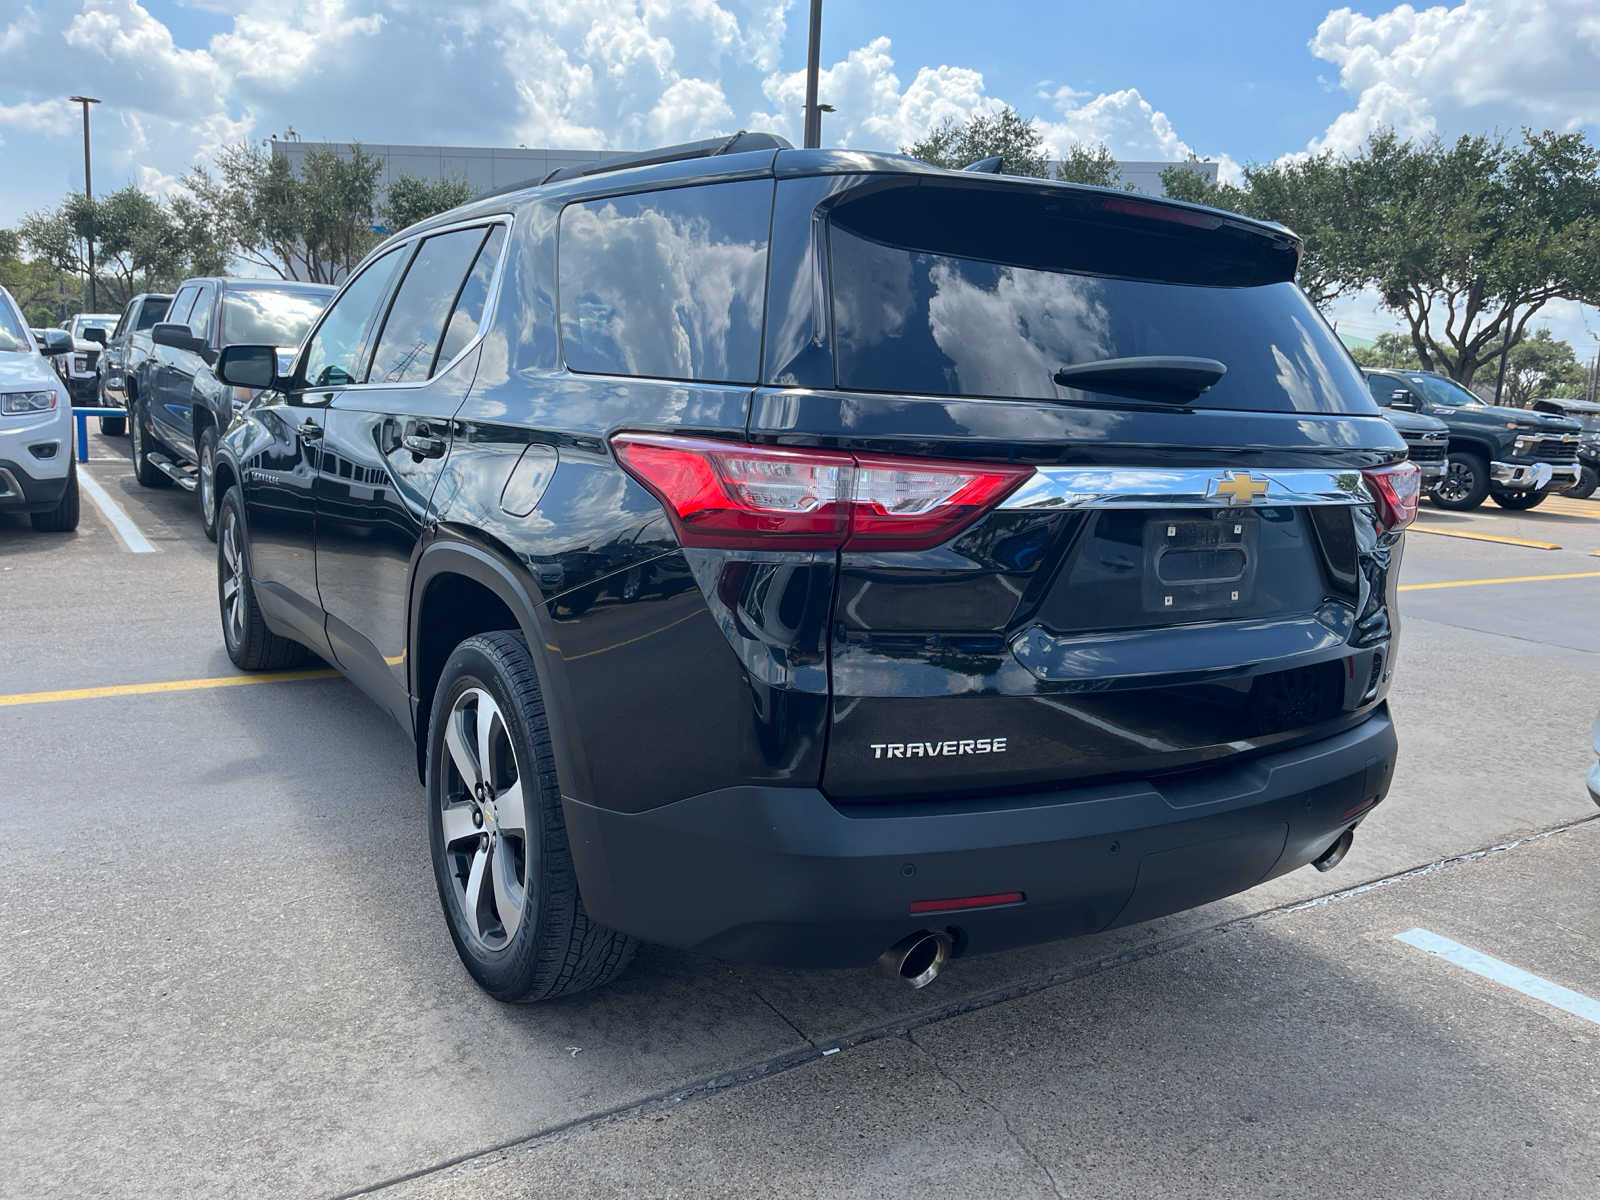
(126, 529)
(1514, 978)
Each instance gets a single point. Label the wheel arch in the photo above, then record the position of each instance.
(462, 587)
(1460, 442)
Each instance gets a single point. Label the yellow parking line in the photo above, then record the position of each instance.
(1422, 587)
(168, 685)
(1484, 537)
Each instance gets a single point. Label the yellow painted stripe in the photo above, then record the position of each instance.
(1423, 587)
(1484, 537)
(168, 685)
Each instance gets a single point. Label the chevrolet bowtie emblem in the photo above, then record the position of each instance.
(1238, 487)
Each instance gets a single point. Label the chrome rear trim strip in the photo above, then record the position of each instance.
(1223, 487)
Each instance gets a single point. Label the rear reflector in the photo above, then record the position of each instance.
(920, 907)
(730, 495)
(1398, 489)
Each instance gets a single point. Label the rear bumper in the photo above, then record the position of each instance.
(782, 875)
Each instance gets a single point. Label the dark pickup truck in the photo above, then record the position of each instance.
(1427, 442)
(1514, 455)
(177, 407)
(1587, 414)
(138, 315)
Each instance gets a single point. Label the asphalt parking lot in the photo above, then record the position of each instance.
(225, 972)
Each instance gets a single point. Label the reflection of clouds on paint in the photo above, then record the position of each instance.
(1305, 375)
(1008, 337)
(669, 284)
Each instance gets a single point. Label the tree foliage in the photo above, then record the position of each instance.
(316, 225)
(1388, 350)
(411, 199)
(1539, 366)
(1006, 133)
(141, 243)
(1089, 162)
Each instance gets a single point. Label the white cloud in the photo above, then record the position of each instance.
(1443, 69)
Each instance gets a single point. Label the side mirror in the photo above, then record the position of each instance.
(254, 367)
(54, 342)
(177, 337)
(1400, 398)
(95, 334)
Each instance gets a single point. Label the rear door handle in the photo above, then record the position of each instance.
(423, 446)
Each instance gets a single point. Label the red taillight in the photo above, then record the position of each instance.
(1398, 489)
(726, 494)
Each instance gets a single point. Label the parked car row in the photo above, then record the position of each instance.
(1517, 456)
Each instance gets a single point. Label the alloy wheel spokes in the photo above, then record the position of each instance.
(483, 819)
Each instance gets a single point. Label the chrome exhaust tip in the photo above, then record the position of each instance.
(1334, 854)
(918, 959)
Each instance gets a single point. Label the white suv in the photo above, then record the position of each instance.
(37, 473)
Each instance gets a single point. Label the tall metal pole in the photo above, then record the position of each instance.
(813, 134)
(88, 188)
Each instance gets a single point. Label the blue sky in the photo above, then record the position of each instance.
(1241, 81)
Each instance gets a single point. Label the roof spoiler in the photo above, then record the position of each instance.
(708, 148)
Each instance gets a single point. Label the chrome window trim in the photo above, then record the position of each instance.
(408, 247)
(1183, 487)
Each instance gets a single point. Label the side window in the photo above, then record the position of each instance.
(122, 321)
(178, 314)
(1381, 387)
(337, 349)
(415, 324)
(199, 321)
(473, 300)
(666, 284)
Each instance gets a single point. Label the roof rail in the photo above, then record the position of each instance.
(708, 148)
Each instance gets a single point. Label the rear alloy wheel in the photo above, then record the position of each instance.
(1518, 501)
(207, 491)
(1588, 480)
(500, 852)
(1465, 483)
(251, 645)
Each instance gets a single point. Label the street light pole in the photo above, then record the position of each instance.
(813, 134)
(88, 188)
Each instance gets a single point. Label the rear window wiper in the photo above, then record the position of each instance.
(1160, 377)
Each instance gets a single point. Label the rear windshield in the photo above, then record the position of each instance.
(265, 317)
(152, 311)
(924, 306)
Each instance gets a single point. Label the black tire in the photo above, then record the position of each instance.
(1588, 481)
(147, 475)
(1465, 484)
(206, 489)
(63, 518)
(555, 948)
(113, 426)
(1518, 501)
(251, 645)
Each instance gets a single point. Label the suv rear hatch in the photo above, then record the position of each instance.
(1178, 574)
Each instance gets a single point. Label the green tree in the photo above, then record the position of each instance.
(1467, 241)
(315, 225)
(140, 244)
(1388, 350)
(1089, 162)
(1538, 366)
(412, 199)
(1006, 133)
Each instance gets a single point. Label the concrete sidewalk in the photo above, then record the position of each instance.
(1305, 1052)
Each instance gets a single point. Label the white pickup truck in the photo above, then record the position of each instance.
(79, 370)
(37, 473)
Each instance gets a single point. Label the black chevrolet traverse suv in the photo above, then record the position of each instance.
(812, 556)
